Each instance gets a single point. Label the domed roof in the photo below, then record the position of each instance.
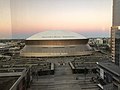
(56, 35)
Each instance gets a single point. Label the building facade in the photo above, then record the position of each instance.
(109, 72)
(109, 75)
(115, 44)
(115, 32)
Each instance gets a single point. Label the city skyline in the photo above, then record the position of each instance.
(23, 18)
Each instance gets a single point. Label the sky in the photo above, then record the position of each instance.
(5, 19)
(23, 18)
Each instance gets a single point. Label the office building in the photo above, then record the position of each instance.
(109, 72)
(115, 32)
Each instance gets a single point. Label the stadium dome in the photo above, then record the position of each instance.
(56, 43)
(56, 35)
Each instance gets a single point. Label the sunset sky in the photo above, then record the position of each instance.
(22, 18)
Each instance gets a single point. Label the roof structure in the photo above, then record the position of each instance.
(56, 35)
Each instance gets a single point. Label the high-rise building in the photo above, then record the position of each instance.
(109, 72)
(115, 32)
